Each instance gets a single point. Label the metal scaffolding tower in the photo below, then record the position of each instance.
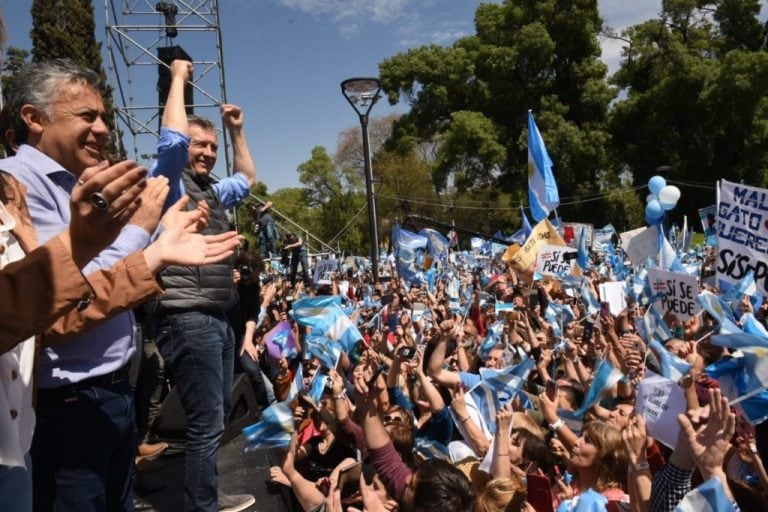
(141, 35)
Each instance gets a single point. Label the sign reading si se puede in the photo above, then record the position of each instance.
(553, 260)
(742, 234)
(677, 292)
(324, 271)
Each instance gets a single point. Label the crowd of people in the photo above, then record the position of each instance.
(483, 388)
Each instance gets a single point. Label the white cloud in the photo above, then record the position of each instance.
(619, 15)
(348, 11)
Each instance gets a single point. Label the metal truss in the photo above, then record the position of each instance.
(135, 29)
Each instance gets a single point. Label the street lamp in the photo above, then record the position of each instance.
(362, 94)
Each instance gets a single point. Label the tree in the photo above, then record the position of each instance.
(695, 102)
(472, 98)
(15, 59)
(66, 29)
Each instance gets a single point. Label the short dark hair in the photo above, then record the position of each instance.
(441, 487)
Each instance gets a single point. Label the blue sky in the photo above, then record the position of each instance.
(284, 61)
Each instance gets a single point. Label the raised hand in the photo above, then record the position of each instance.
(90, 229)
(147, 216)
(232, 116)
(708, 443)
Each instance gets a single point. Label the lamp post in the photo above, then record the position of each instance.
(362, 94)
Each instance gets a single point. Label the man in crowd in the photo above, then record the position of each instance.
(85, 438)
(192, 330)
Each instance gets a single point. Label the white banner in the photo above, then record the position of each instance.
(641, 244)
(659, 401)
(614, 293)
(554, 260)
(678, 292)
(742, 234)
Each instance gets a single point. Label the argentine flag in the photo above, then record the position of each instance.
(273, 430)
(606, 376)
(708, 497)
(672, 367)
(542, 189)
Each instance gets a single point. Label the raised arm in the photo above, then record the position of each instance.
(174, 114)
(232, 116)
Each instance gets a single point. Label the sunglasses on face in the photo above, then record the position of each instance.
(392, 419)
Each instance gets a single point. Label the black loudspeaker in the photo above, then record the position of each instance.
(168, 54)
(171, 425)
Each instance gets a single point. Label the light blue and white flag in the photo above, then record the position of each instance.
(543, 195)
(297, 384)
(751, 325)
(437, 244)
(672, 367)
(504, 307)
(317, 387)
(707, 497)
(583, 255)
(408, 246)
(273, 430)
(606, 376)
(718, 310)
(589, 299)
(739, 340)
(310, 311)
(430, 449)
(652, 326)
(507, 382)
(324, 349)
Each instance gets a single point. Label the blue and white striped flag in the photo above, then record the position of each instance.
(606, 376)
(589, 299)
(430, 449)
(672, 367)
(751, 325)
(652, 326)
(543, 195)
(324, 349)
(506, 383)
(317, 387)
(718, 310)
(273, 430)
(583, 255)
(739, 340)
(310, 311)
(297, 384)
(707, 497)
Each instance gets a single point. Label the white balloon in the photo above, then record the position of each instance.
(669, 195)
(651, 197)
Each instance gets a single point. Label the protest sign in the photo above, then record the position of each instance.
(614, 293)
(553, 260)
(708, 218)
(675, 292)
(602, 237)
(324, 270)
(659, 401)
(742, 234)
(640, 244)
(523, 257)
(572, 232)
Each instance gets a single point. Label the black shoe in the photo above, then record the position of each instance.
(235, 502)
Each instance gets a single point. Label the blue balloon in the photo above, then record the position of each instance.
(656, 183)
(654, 210)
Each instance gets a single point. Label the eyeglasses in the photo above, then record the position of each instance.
(392, 419)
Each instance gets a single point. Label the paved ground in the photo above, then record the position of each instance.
(160, 489)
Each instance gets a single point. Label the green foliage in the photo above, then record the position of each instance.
(695, 99)
(472, 98)
(13, 61)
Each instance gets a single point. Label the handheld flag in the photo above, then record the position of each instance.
(273, 430)
(707, 497)
(606, 376)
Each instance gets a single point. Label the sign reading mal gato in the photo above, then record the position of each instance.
(742, 234)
